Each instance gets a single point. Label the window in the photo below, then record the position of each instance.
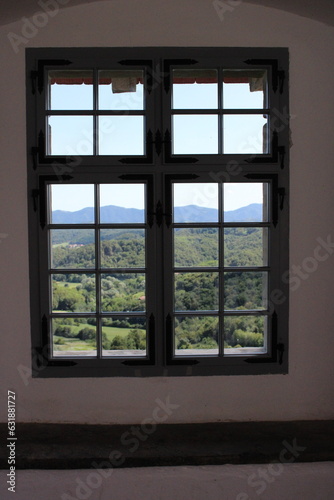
(158, 211)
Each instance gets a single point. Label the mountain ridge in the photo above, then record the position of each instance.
(189, 213)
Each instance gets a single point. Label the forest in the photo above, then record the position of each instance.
(194, 290)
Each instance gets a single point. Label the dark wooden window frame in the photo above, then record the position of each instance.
(158, 168)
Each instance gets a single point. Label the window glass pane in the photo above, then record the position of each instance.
(195, 89)
(122, 248)
(196, 335)
(121, 90)
(122, 203)
(196, 291)
(73, 293)
(124, 336)
(72, 203)
(70, 135)
(195, 134)
(245, 134)
(245, 335)
(245, 290)
(196, 247)
(121, 135)
(74, 337)
(72, 249)
(246, 202)
(195, 202)
(244, 89)
(123, 292)
(245, 246)
(70, 89)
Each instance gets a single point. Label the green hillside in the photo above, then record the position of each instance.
(193, 290)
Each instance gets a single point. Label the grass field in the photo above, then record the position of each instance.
(80, 345)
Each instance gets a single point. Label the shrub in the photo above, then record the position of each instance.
(87, 334)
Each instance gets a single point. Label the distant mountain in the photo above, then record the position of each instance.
(194, 213)
(109, 214)
(251, 213)
(189, 213)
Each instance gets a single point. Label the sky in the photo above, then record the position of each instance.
(196, 134)
(74, 197)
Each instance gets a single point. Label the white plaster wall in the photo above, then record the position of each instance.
(307, 392)
(313, 481)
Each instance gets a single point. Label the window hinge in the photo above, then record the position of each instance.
(281, 194)
(280, 349)
(281, 155)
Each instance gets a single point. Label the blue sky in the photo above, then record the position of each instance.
(194, 134)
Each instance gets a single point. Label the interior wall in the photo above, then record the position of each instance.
(307, 391)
